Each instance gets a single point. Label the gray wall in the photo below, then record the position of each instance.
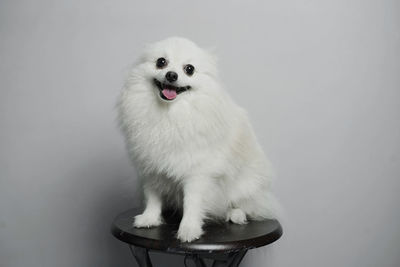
(320, 80)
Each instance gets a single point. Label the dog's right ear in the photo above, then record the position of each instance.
(147, 52)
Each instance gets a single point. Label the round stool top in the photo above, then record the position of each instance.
(217, 237)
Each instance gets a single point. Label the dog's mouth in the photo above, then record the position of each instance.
(169, 92)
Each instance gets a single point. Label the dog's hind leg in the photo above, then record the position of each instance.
(236, 215)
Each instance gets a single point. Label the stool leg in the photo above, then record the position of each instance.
(141, 255)
(233, 260)
(196, 259)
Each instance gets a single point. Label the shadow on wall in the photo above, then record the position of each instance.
(100, 189)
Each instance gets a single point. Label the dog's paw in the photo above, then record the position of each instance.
(147, 220)
(189, 232)
(236, 216)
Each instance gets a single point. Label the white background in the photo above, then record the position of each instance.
(320, 80)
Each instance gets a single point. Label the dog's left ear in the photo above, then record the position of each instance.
(212, 59)
(212, 54)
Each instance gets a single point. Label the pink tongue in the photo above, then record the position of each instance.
(169, 94)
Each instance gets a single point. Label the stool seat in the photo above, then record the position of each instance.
(219, 239)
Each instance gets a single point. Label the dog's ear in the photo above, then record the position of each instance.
(147, 50)
(212, 59)
(212, 54)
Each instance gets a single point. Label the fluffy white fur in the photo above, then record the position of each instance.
(197, 152)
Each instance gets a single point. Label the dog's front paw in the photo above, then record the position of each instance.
(147, 220)
(189, 232)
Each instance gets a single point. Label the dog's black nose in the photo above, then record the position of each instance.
(171, 76)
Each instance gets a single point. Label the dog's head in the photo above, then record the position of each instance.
(174, 68)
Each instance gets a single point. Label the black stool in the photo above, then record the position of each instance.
(225, 243)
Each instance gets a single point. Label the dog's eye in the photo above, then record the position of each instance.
(161, 63)
(189, 69)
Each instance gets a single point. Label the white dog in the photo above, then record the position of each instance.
(193, 147)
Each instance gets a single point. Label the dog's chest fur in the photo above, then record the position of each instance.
(173, 139)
